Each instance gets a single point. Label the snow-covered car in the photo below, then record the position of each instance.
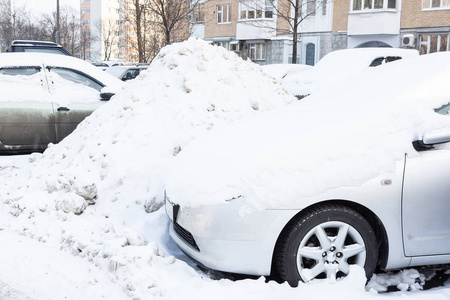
(340, 65)
(279, 71)
(45, 96)
(125, 73)
(344, 177)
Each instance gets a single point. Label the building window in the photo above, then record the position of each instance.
(226, 45)
(198, 13)
(430, 4)
(223, 13)
(258, 9)
(257, 51)
(430, 43)
(324, 8)
(311, 7)
(358, 5)
(236, 47)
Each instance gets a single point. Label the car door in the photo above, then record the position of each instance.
(26, 112)
(72, 104)
(426, 196)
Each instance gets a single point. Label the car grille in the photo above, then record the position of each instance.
(185, 235)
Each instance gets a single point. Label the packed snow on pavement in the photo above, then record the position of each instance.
(85, 219)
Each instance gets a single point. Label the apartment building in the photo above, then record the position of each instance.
(425, 25)
(255, 30)
(100, 30)
(252, 29)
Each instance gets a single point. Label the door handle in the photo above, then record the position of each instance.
(63, 108)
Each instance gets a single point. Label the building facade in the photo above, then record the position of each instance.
(425, 25)
(101, 33)
(255, 29)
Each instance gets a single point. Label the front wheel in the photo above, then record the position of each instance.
(323, 242)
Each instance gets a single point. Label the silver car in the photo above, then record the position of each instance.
(355, 175)
(45, 96)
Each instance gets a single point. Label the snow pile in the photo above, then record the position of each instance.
(89, 194)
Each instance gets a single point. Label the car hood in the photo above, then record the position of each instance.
(342, 137)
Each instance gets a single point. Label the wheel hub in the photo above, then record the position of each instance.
(331, 257)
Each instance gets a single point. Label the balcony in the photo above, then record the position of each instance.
(374, 22)
(256, 29)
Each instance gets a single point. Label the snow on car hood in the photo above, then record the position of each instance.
(341, 137)
(338, 66)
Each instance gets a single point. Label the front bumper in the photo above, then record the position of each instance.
(220, 238)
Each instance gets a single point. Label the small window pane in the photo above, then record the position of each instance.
(433, 43)
(311, 7)
(357, 4)
(378, 4)
(435, 3)
(367, 4)
(444, 43)
(392, 4)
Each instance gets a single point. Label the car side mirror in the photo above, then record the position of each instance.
(106, 96)
(437, 136)
(432, 137)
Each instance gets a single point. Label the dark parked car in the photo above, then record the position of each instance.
(37, 46)
(126, 72)
(44, 97)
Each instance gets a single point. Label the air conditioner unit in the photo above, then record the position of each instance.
(408, 40)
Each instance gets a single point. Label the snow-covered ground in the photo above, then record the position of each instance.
(85, 220)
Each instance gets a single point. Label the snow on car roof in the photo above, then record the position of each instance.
(39, 59)
(337, 66)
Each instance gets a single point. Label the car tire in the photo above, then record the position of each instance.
(323, 242)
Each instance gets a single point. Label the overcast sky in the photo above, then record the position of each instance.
(46, 6)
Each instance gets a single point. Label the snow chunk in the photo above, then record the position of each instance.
(71, 203)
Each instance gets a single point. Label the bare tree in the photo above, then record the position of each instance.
(173, 17)
(146, 40)
(85, 43)
(109, 31)
(5, 24)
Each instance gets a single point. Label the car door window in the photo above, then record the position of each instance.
(443, 110)
(13, 71)
(77, 77)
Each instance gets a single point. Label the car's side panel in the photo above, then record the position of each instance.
(26, 126)
(426, 196)
(69, 116)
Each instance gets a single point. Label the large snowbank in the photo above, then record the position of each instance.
(73, 220)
